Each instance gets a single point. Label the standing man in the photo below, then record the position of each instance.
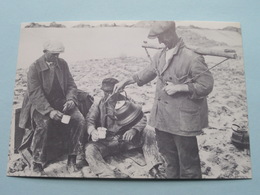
(51, 92)
(180, 108)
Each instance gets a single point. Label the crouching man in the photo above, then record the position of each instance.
(123, 134)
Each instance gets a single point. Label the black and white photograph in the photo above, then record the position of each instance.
(130, 100)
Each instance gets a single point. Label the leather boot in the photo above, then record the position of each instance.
(71, 164)
(155, 173)
(38, 169)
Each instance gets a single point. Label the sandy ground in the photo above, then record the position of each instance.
(227, 106)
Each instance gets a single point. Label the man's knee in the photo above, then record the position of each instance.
(149, 130)
(40, 121)
(43, 125)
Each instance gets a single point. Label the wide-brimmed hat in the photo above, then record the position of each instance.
(53, 46)
(159, 27)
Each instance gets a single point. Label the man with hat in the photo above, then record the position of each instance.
(180, 108)
(122, 134)
(51, 93)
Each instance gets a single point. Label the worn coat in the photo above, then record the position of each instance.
(98, 117)
(184, 113)
(39, 81)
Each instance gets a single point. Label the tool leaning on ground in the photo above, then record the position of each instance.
(227, 54)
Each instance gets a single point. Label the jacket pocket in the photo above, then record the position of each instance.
(190, 119)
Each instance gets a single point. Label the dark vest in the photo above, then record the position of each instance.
(56, 97)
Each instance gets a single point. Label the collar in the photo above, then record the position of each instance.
(49, 63)
(45, 65)
(173, 51)
(120, 97)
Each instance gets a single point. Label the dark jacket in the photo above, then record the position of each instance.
(98, 117)
(184, 113)
(39, 85)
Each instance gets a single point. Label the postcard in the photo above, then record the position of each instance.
(130, 100)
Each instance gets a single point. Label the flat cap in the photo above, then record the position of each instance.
(159, 27)
(53, 46)
(108, 84)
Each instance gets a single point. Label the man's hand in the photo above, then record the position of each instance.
(55, 115)
(68, 105)
(121, 85)
(171, 89)
(129, 135)
(94, 135)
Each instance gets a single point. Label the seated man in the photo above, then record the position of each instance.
(51, 93)
(120, 136)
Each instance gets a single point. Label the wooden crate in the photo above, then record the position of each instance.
(18, 132)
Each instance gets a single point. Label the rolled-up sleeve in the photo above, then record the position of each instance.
(203, 83)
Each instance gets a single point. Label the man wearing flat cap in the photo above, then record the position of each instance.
(124, 133)
(180, 108)
(51, 93)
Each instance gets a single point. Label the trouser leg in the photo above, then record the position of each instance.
(39, 140)
(76, 128)
(150, 148)
(188, 156)
(94, 153)
(169, 152)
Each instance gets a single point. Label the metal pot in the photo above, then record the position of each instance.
(240, 137)
(127, 113)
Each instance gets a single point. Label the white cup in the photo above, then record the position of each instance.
(102, 132)
(65, 119)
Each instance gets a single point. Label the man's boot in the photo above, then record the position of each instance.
(71, 163)
(119, 174)
(81, 161)
(38, 169)
(155, 173)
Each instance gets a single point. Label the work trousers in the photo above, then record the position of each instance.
(181, 155)
(96, 151)
(45, 128)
